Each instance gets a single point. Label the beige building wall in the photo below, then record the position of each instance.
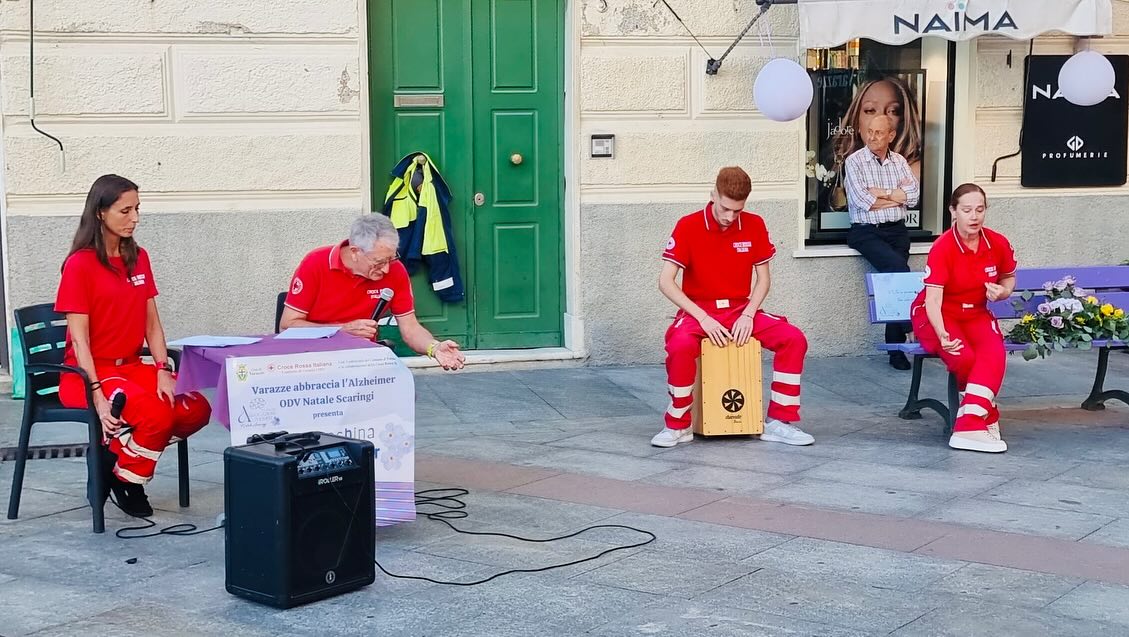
(240, 121)
(643, 79)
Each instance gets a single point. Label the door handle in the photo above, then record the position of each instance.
(479, 199)
(516, 159)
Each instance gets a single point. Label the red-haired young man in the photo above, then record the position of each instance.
(718, 249)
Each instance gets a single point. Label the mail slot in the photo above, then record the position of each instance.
(434, 100)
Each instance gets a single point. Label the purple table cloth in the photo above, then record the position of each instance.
(203, 367)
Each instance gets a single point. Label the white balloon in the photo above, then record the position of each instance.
(783, 90)
(1086, 78)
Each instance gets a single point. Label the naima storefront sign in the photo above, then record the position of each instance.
(830, 23)
(1065, 145)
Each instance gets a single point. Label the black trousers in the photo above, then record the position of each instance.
(886, 248)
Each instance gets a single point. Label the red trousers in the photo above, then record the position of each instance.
(979, 366)
(775, 333)
(153, 421)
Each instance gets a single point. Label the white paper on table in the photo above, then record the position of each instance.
(213, 341)
(307, 332)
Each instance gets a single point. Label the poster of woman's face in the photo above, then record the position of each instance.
(894, 97)
(848, 101)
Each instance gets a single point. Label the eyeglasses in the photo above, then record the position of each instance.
(381, 264)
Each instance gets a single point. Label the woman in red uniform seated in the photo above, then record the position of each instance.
(107, 293)
(967, 267)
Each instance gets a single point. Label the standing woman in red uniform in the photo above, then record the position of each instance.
(967, 267)
(108, 295)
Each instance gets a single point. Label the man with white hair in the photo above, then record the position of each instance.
(340, 285)
(881, 189)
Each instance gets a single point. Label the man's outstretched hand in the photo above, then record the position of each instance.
(447, 354)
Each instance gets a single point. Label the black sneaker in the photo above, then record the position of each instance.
(898, 360)
(131, 498)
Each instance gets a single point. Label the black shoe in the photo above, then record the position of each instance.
(131, 498)
(898, 360)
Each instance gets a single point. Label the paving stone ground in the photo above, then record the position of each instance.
(877, 529)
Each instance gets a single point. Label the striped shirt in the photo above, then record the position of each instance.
(864, 170)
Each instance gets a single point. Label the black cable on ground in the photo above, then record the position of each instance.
(182, 529)
(453, 509)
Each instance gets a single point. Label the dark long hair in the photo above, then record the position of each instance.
(965, 189)
(103, 193)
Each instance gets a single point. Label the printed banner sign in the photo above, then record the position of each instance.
(366, 394)
(830, 23)
(1065, 145)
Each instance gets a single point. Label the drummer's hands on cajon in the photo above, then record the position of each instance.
(743, 329)
(716, 331)
(364, 328)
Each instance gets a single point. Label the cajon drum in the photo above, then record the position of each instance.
(727, 390)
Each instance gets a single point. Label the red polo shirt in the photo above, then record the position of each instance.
(328, 292)
(115, 304)
(962, 273)
(718, 264)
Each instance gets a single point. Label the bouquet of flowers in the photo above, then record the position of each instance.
(1069, 317)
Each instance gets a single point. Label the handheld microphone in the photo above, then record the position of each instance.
(382, 304)
(117, 403)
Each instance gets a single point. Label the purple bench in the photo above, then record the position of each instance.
(1109, 283)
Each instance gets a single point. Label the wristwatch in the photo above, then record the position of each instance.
(162, 366)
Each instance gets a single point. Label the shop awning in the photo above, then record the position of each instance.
(830, 23)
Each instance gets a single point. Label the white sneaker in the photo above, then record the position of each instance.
(986, 441)
(789, 434)
(669, 437)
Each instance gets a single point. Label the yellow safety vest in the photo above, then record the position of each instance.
(405, 208)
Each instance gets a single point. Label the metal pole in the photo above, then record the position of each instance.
(712, 65)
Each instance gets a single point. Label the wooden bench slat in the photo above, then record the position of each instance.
(1005, 310)
(1101, 276)
(915, 348)
(1110, 283)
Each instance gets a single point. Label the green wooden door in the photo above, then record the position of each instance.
(474, 83)
(517, 114)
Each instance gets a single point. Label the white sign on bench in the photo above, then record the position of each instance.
(893, 294)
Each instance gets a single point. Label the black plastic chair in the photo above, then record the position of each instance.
(281, 303)
(42, 333)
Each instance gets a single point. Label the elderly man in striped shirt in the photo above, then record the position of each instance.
(880, 190)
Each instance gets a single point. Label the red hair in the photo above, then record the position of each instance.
(733, 182)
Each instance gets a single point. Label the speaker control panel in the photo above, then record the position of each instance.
(324, 462)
